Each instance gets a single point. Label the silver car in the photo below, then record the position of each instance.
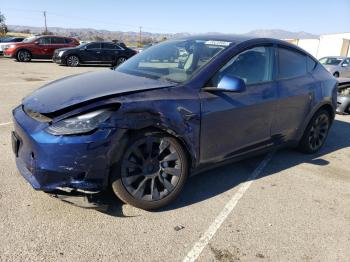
(338, 66)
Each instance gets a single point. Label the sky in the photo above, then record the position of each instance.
(162, 16)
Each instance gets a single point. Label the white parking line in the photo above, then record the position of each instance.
(5, 124)
(207, 236)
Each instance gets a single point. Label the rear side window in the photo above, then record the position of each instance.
(311, 64)
(109, 46)
(291, 63)
(94, 46)
(57, 40)
(68, 40)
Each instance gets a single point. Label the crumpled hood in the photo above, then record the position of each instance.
(81, 88)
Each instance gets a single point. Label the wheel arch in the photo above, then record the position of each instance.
(117, 152)
(23, 49)
(324, 105)
(168, 131)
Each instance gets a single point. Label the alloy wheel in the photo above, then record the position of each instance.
(318, 131)
(151, 168)
(72, 61)
(23, 56)
(121, 60)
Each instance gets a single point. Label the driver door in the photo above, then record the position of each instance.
(236, 123)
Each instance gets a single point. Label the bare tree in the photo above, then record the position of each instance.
(3, 27)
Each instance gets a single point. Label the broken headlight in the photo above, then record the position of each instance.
(80, 124)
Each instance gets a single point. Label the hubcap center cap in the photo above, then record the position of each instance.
(151, 167)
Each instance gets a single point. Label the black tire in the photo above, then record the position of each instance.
(316, 132)
(151, 172)
(72, 61)
(336, 74)
(119, 61)
(23, 56)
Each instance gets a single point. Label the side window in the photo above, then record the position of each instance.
(291, 63)
(57, 40)
(68, 40)
(346, 62)
(94, 46)
(254, 66)
(108, 46)
(44, 41)
(311, 64)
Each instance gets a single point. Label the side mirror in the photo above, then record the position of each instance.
(345, 65)
(229, 84)
(36, 42)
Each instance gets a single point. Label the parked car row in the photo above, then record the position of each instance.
(8, 41)
(338, 66)
(67, 51)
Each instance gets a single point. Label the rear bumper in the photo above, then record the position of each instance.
(69, 163)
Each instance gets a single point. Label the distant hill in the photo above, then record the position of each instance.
(133, 37)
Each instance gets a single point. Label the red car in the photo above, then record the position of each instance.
(38, 47)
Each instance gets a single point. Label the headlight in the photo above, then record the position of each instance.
(80, 124)
(12, 46)
(60, 53)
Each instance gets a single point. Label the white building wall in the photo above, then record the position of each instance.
(309, 45)
(326, 45)
(329, 47)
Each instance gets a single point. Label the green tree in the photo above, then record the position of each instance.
(3, 27)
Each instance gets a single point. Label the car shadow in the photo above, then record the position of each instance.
(219, 180)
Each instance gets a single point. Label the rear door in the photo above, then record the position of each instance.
(56, 43)
(296, 87)
(236, 123)
(110, 52)
(92, 53)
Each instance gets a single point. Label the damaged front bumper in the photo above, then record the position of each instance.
(78, 163)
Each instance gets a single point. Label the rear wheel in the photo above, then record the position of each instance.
(72, 61)
(119, 61)
(316, 132)
(23, 56)
(151, 172)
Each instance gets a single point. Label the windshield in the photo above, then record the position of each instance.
(330, 61)
(175, 61)
(29, 39)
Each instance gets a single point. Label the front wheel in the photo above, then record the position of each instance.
(316, 133)
(151, 172)
(72, 61)
(23, 56)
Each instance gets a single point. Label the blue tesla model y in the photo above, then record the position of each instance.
(178, 108)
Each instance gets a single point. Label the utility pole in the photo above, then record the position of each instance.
(140, 36)
(44, 13)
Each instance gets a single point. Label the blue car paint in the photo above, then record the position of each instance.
(198, 118)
